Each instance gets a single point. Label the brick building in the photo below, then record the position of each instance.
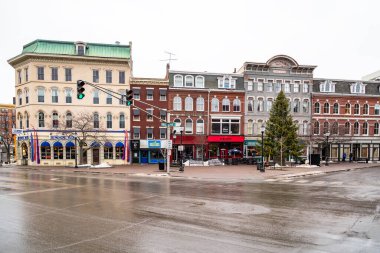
(210, 109)
(150, 97)
(7, 122)
(349, 111)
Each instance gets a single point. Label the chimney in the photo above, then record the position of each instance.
(167, 71)
(234, 70)
(117, 42)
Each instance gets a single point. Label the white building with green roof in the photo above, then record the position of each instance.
(48, 112)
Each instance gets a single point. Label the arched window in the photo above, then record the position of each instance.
(119, 151)
(347, 109)
(365, 128)
(366, 109)
(347, 127)
(325, 127)
(96, 120)
(376, 129)
(177, 104)
(45, 150)
(199, 82)
(177, 121)
(27, 120)
(69, 120)
(269, 104)
(316, 108)
(58, 150)
(200, 104)
(55, 119)
(326, 108)
(356, 109)
(109, 120)
(316, 128)
(305, 106)
(188, 126)
(26, 96)
(178, 81)
(41, 95)
(226, 105)
(250, 127)
(54, 95)
(304, 127)
(250, 104)
(20, 120)
(70, 150)
(41, 119)
(121, 120)
(377, 109)
(236, 105)
(336, 108)
(189, 81)
(215, 105)
(260, 104)
(356, 127)
(200, 126)
(296, 105)
(108, 150)
(334, 129)
(189, 104)
(19, 95)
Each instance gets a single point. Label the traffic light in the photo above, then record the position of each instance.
(129, 94)
(80, 89)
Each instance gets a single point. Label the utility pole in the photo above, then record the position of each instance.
(168, 151)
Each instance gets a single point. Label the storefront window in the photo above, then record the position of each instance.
(364, 151)
(119, 150)
(70, 150)
(58, 150)
(108, 151)
(45, 150)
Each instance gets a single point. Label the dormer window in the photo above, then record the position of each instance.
(358, 87)
(227, 82)
(327, 86)
(80, 48)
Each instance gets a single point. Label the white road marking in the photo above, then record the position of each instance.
(45, 190)
(318, 182)
(302, 181)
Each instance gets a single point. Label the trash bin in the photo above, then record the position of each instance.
(161, 166)
(258, 166)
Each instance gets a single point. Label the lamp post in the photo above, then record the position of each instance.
(76, 153)
(327, 149)
(181, 168)
(262, 148)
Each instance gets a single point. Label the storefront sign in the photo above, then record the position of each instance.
(23, 138)
(154, 144)
(62, 137)
(250, 142)
(135, 144)
(17, 131)
(219, 138)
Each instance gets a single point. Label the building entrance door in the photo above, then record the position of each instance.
(95, 156)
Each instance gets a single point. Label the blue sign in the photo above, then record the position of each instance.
(23, 138)
(61, 137)
(154, 144)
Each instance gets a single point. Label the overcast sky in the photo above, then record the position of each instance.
(340, 37)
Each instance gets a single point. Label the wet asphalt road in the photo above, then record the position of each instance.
(56, 212)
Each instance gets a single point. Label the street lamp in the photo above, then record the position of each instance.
(327, 149)
(181, 168)
(262, 148)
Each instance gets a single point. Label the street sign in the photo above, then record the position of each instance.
(168, 124)
(17, 131)
(169, 144)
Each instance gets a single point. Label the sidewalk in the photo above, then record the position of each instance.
(232, 172)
